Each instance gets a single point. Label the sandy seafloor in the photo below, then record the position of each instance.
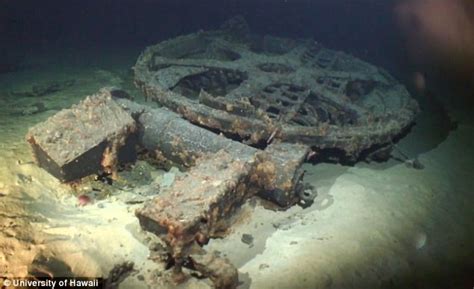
(373, 225)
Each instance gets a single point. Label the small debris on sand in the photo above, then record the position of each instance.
(83, 200)
(247, 239)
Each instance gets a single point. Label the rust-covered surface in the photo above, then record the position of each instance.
(169, 136)
(264, 87)
(166, 134)
(101, 131)
(221, 272)
(199, 205)
(279, 174)
(94, 135)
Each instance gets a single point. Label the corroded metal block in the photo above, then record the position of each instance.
(280, 174)
(94, 135)
(200, 206)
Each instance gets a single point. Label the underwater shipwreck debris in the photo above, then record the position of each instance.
(102, 131)
(222, 173)
(283, 96)
(221, 272)
(261, 88)
(94, 135)
(200, 205)
(281, 176)
(170, 136)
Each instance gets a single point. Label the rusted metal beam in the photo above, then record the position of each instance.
(170, 136)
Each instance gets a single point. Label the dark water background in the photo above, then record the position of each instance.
(364, 28)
